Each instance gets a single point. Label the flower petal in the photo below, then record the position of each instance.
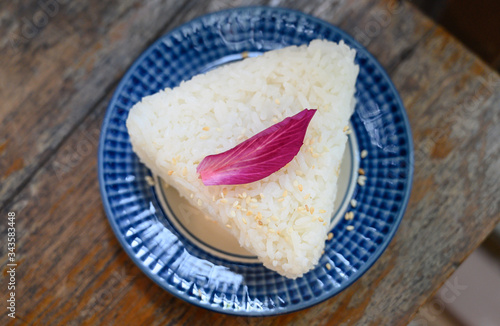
(259, 156)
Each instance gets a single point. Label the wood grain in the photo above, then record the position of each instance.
(53, 76)
(72, 270)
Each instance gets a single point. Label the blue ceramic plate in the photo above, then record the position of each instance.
(155, 230)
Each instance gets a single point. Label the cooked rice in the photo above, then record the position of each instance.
(173, 130)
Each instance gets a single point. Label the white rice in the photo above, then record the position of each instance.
(168, 131)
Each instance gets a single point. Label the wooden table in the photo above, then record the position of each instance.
(60, 63)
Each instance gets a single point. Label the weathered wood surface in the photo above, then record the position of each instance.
(55, 88)
(52, 76)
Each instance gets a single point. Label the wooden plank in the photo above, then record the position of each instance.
(73, 270)
(57, 233)
(390, 30)
(454, 108)
(52, 76)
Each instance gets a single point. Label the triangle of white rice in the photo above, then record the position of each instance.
(173, 130)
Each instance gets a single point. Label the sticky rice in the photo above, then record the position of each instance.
(283, 219)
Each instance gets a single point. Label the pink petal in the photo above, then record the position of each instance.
(259, 156)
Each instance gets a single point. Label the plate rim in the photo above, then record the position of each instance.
(277, 310)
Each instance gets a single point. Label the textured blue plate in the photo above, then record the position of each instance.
(186, 270)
